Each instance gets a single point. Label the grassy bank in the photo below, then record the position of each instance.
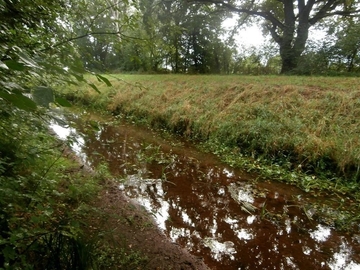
(301, 124)
(48, 217)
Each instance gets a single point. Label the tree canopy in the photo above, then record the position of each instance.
(288, 21)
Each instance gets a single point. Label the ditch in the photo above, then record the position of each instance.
(230, 218)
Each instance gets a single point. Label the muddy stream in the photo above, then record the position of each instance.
(226, 216)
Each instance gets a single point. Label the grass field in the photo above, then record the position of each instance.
(305, 124)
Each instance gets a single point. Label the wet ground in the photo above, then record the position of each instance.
(226, 216)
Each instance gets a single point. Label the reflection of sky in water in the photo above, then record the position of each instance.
(219, 249)
(288, 225)
(250, 219)
(228, 173)
(244, 234)
(187, 219)
(342, 258)
(159, 207)
(176, 233)
(245, 196)
(290, 262)
(241, 193)
(221, 191)
(321, 233)
(241, 233)
(306, 250)
(161, 210)
(77, 141)
(160, 215)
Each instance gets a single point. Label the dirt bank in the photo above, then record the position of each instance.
(134, 228)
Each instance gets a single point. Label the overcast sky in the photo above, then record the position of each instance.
(252, 36)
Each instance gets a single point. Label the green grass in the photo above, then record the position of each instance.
(301, 124)
(46, 202)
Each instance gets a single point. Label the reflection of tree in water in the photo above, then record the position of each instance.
(114, 146)
(199, 206)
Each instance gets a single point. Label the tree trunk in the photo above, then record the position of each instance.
(351, 59)
(289, 60)
(292, 42)
(292, 48)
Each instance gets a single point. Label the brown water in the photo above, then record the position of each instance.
(224, 215)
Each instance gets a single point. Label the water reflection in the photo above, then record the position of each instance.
(219, 250)
(214, 211)
(75, 140)
(321, 234)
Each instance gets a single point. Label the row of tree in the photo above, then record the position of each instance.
(188, 37)
(184, 36)
(156, 36)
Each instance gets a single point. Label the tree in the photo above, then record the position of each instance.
(27, 34)
(347, 44)
(99, 28)
(183, 37)
(288, 21)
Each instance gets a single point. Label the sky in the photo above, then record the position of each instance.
(252, 36)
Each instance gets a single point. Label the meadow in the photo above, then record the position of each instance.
(277, 125)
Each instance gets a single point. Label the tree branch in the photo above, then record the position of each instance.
(99, 13)
(275, 35)
(90, 34)
(266, 15)
(324, 12)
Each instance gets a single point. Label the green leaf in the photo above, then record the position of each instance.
(94, 87)
(60, 121)
(43, 96)
(2, 65)
(11, 64)
(94, 125)
(79, 77)
(55, 69)
(102, 78)
(28, 61)
(20, 101)
(70, 82)
(9, 253)
(62, 102)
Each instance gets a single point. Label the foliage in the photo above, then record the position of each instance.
(30, 200)
(100, 32)
(183, 37)
(156, 36)
(44, 197)
(333, 56)
(288, 22)
(257, 61)
(346, 55)
(45, 202)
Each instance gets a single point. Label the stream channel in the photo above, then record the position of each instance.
(224, 215)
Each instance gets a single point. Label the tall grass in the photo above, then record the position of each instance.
(311, 123)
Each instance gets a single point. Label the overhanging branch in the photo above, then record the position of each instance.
(90, 34)
(100, 12)
(329, 9)
(264, 14)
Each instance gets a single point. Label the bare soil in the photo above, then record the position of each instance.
(134, 228)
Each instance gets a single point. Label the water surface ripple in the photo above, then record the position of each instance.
(224, 215)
